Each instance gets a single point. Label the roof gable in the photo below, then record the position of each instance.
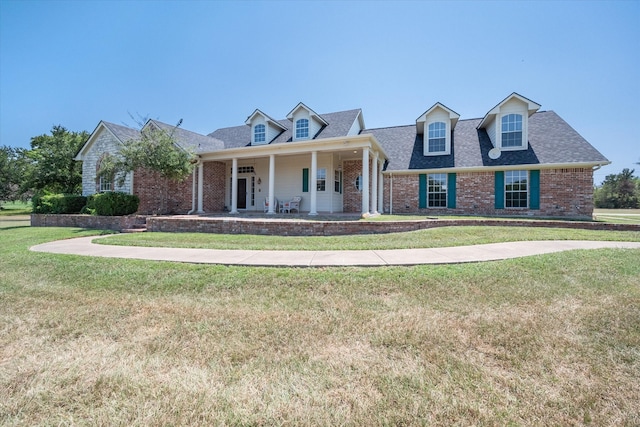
(453, 116)
(532, 107)
(311, 113)
(267, 119)
(119, 132)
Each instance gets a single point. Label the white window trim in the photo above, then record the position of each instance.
(264, 134)
(445, 191)
(447, 138)
(295, 130)
(525, 130)
(321, 171)
(528, 190)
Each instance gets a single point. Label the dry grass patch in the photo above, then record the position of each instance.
(545, 340)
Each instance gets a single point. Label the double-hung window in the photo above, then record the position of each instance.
(321, 180)
(106, 184)
(302, 128)
(512, 130)
(259, 133)
(516, 189)
(437, 137)
(437, 190)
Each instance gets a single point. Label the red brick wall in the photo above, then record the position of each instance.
(160, 195)
(352, 198)
(566, 192)
(213, 186)
(563, 193)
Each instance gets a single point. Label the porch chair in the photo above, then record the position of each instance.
(266, 204)
(293, 204)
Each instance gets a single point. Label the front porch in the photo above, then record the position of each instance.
(342, 175)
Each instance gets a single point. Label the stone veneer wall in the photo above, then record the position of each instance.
(104, 143)
(117, 223)
(563, 193)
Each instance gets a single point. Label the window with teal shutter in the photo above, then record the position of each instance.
(422, 191)
(534, 190)
(305, 180)
(499, 190)
(451, 191)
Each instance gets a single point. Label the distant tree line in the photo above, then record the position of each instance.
(48, 165)
(619, 191)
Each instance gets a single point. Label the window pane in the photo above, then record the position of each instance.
(302, 128)
(437, 190)
(516, 189)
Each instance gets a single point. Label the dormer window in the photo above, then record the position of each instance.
(436, 126)
(507, 124)
(512, 130)
(259, 133)
(302, 129)
(437, 137)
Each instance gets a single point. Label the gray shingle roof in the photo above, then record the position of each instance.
(190, 140)
(123, 133)
(551, 141)
(240, 136)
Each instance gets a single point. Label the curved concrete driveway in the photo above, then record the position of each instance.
(450, 255)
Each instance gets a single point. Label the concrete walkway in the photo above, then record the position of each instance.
(452, 255)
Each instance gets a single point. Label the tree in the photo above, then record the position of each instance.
(54, 167)
(14, 167)
(156, 150)
(618, 191)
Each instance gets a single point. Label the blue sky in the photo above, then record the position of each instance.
(212, 63)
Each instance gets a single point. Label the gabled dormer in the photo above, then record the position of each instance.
(507, 124)
(306, 122)
(264, 129)
(436, 125)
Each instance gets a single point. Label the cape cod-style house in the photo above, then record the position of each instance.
(515, 160)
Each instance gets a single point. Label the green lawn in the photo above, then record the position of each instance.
(542, 340)
(618, 216)
(431, 238)
(15, 208)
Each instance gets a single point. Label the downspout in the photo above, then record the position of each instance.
(391, 195)
(193, 187)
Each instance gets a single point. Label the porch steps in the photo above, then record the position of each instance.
(139, 227)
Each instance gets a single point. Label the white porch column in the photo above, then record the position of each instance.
(313, 183)
(234, 186)
(380, 189)
(272, 183)
(374, 184)
(200, 187)
(365, 180)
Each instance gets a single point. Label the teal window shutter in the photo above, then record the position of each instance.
(305, 180)
(534, 189)
(499, 190)
(422, 191)
(451, 191)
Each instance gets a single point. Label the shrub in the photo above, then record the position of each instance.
(112, 204)
(46, 203)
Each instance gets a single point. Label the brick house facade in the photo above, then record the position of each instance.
(515, 161)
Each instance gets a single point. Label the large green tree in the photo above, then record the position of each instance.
(54, 167)
(618, 191)
(14, 167)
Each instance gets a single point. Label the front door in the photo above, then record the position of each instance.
(242, 193)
